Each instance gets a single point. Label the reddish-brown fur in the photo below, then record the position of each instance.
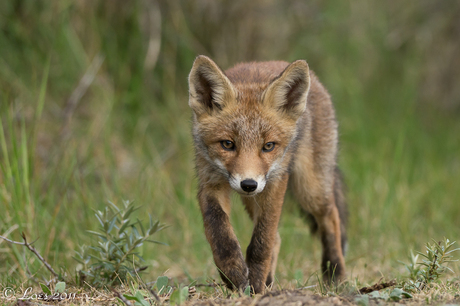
(278, 124)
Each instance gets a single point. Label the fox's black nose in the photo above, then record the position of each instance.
(249, 185)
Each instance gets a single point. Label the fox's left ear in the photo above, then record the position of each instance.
(209, 88)
(288, 93)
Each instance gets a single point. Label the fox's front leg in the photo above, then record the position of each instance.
(263, 250)
(226, 250)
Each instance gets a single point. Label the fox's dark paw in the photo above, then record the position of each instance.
(257, 279)
(235, 276)
(333, 273)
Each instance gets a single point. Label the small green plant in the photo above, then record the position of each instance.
(138, 296)
(435, 261)
(115, 257)
(162, 285)
(60, 287)
(433, 265)
(247, 291)
(179, 296)
(45, 289)
(430, 269)
(412, 267)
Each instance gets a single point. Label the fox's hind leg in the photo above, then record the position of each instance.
(341, 204)
(326, 204)
(333, 263)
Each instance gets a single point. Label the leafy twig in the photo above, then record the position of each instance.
(33, 250)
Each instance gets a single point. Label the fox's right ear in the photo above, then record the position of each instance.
(209, 88)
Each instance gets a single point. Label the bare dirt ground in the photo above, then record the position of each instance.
(305, 297)
(284, 297)
(435, 295)
(300, 297)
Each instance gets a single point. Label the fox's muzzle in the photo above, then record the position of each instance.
(248, 186)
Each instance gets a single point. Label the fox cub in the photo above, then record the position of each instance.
(257, 127)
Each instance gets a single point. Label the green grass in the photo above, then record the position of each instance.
(128, 137)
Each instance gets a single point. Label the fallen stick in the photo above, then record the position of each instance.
(377, 286)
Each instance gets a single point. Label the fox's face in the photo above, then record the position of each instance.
(246, 146)
(244, 130)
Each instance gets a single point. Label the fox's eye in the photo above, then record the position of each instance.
(269, 146)
(227, 145)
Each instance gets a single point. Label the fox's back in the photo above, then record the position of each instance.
(256, 76)
(255, 72)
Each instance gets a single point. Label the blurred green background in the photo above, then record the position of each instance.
(93, 107)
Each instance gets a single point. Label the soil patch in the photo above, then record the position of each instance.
(284, 297)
